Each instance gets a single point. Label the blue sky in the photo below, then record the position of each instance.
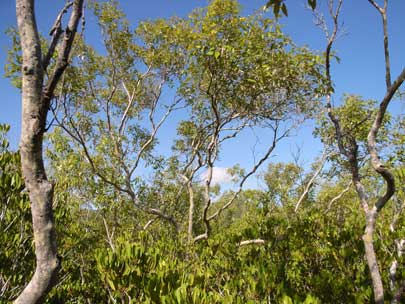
(361, 70)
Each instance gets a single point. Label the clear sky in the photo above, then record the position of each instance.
(361, 70)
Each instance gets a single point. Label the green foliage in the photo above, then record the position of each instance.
(310, 257)
(276, 5)
(303, 257)
(282, 181)
(14, 59)
(356, 116)
(16, 254)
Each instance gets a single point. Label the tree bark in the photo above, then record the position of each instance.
(35, 105)
(371, 257)
(190, 211)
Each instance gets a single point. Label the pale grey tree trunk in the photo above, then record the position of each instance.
(36, 96)
(371, 257)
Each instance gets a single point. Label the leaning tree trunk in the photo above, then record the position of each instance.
(36, 96)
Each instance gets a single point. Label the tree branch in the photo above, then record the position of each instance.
(64, 51)
(252, 242)
(55, 32)
(311, 181)
(164, 216)
(337, 197)
(371, 141)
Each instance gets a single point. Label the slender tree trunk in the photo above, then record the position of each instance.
(371, 257)
(36, 98)
(190, 211)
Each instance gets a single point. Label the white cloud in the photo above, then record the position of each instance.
(220, 175)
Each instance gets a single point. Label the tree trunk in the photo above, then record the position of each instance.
(190, 211)
(40, 190)
(371, 257)
(35, 105)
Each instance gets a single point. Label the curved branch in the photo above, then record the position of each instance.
(337, 197)
(371, 142)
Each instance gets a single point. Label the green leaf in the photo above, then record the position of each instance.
(284, 9)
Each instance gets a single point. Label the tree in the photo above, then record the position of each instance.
(220, 64)
(37, 92)
(240, 73)
(348, 142)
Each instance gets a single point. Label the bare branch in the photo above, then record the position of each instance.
(376, 5)
(155, 129)
(383, 13)
(311, 181)
(252, 242)
(338, 197)
(207, 199)
(150, 222)
(332, 38)
(35, 107)
(164, 216)
(110, 236)
(191, 207)
(251, 172)
(202, 236)
(235, 195)
(131, 97)
(77, 136)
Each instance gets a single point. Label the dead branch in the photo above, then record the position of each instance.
(312, 180)
(338, 197)
(110, 235)
(252, 242)
(150, 222)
